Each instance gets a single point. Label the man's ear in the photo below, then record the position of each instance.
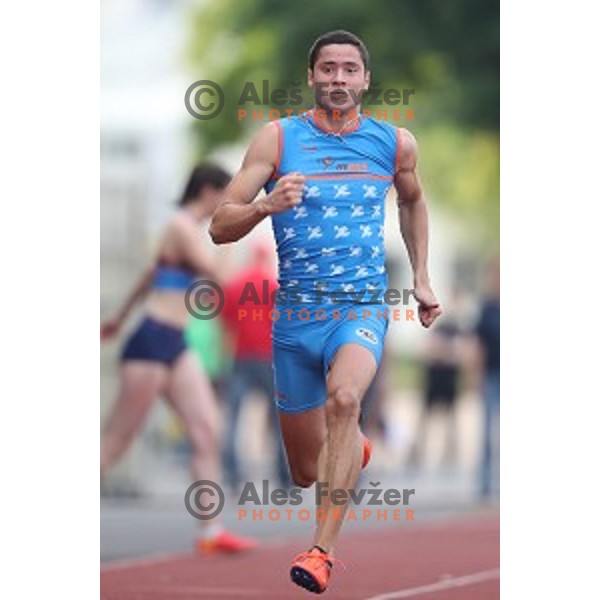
(310, 78)
(367, 80)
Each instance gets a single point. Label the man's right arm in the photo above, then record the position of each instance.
(238, 214)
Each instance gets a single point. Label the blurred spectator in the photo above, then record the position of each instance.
(442, 363)
(372, 418)
(487, 332)
(249, 324)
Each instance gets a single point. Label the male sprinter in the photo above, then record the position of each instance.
(326, 174)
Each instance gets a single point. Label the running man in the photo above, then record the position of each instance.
(156, 361)
(326, 174)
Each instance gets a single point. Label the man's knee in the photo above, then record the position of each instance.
(343, 402)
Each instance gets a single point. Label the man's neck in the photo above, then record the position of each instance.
(335, 120)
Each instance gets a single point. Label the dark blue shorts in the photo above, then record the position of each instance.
(304, 350)
(154, 341)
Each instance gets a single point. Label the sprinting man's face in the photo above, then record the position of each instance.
(339, 78)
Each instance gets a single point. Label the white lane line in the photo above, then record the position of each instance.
(445, 584)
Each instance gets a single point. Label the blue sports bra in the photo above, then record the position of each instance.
(168, 277)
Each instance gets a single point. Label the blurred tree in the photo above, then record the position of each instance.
(447, 50)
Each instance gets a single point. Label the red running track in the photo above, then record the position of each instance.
(451, 560)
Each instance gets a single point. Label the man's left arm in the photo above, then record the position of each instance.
(412, 208)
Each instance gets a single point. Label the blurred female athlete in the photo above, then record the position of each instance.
(155, 360)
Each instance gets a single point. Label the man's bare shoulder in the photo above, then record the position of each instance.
(407, 139)
(408, 150)
(265, 143)
(269, 132)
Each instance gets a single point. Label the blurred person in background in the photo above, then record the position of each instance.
(207, 340)
(445, 355)
(246, 316)
(156, 360)
(487, 334)
(372, 418)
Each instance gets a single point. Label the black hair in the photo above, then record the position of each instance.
(204, 175)
(337, 37)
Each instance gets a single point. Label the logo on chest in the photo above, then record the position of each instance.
(329, 164)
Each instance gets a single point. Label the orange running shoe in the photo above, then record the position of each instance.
(366, 450)
(226, 543)
(312, 570)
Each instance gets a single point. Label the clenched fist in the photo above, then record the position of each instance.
(286, 194)
(429, 307)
